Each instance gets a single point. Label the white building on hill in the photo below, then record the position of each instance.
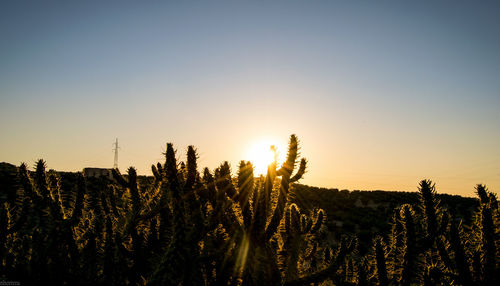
(97, 173)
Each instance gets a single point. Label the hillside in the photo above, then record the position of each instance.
(368, 213)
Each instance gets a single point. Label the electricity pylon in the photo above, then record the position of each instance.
(115, 166)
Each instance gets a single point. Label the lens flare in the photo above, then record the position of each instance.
(263, 153)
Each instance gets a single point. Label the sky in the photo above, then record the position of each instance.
(381, 94)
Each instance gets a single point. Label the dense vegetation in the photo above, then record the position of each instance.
(364, 214)
(191, 228)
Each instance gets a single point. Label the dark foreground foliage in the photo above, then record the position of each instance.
(209, 228)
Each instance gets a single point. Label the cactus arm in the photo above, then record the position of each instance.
(482, 193)
(245, 186)
(488, 245)
(191, 170)
(134, 191)
(300, 172)
(443, 252)
(445, 219)
(225, 195)
(119, 178)
(78, 206)
(156, 172)
(293, 242)
(278, 210)
(293, 247)
(288, 166)
(320, 218)
(54, 202)
(259, 221)
(41, 180)
(327, 272)
(171, 172)
(25, 181)
(208, 180)
(430, 208)
(155, 210)
(460, 258)
(21, 217)
(409, 257)
(380, 257)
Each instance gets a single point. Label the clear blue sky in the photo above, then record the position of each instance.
(381, 93)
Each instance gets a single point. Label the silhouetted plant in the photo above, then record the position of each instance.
(186, 228)
(410, 256)
(381, 265)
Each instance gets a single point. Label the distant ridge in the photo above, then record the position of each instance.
(366, 213)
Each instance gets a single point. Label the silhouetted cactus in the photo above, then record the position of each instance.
(381, 264)
(298, 231)
(461, 262)
(430, 209)
(409, 260)
(488, 247)
(187, 228)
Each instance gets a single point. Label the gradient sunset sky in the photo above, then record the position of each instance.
(381, 94)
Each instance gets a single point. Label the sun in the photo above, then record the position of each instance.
(263, 153)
